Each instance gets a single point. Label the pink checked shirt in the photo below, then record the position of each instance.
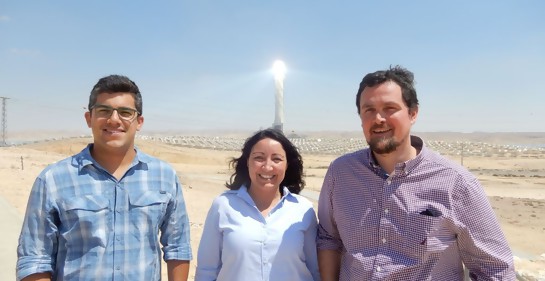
(420, 223)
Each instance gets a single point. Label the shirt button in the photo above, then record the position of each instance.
(379, 269)
(389, 181)
(118, 267)
(374, 200)
(383, 240)
(386, 211)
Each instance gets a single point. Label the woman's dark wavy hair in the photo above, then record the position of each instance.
(293, 178)
(401, 76)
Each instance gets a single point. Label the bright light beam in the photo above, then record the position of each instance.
(279, 70)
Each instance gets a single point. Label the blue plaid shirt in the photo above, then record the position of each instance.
(82, 223)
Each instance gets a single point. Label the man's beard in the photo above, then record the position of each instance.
(383, 145)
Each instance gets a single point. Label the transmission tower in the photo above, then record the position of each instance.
(4, 121)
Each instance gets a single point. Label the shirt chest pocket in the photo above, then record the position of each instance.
(84, 215)
(84, 207)
(426, 235)
(149, 206)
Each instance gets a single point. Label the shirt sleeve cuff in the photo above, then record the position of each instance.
(31, 265)
(179, 254)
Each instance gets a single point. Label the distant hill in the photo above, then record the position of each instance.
(495, 138)
(532, 138)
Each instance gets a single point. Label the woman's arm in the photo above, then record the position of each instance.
(210, 247)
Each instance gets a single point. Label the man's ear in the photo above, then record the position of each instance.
(140, 121)
(413, 114)
(87, 116)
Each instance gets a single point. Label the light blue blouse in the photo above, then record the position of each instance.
(238, 243)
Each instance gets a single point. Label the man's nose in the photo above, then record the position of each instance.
(114, 113)
(379, 117)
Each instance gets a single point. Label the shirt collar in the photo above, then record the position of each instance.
(403, 168)
(242, 192)
(421, 152)
(84, 158)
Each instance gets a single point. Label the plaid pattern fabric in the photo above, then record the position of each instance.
(82, 223)
(420, 223)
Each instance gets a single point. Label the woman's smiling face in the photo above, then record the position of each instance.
(267, 164)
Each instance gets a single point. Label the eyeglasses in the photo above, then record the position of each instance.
(106, 111)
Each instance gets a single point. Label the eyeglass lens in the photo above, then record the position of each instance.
(105, 111)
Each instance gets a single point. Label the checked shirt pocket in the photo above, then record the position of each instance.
(426, 235)
(85, 217)
(149, 206)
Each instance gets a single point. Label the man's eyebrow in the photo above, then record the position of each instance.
(366, 105)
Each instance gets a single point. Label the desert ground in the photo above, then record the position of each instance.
(515, 184)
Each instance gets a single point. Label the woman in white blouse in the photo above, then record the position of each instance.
(261, 229)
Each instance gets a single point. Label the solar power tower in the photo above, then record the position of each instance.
(279, 71)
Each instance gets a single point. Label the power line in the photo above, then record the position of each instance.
(4, 121)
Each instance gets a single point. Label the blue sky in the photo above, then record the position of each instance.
(205, 65)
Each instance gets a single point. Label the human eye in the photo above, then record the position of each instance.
(258, 158)
(368, 110)
(102, 110)
(126, 112)
(391, 109)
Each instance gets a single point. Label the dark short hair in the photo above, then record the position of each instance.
(116, 84)
(293, 178)
(401, 76)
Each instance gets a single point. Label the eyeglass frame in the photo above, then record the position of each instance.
(136, 113)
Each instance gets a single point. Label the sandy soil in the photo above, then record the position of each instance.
(516, 186)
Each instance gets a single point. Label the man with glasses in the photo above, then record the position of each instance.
(104, 213)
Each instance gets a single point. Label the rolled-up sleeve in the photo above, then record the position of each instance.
(175, 228)
(37, 248)
(328, 235)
